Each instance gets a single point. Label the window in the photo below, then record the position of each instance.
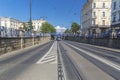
(94, 5)
(114, 5)
(94, 14)
(103, 5)
(119, 4)
(114, 18)
(94, 22)
(103, 14)
(103, 22)
(119, 16)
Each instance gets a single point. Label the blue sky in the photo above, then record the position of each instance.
(57, 12)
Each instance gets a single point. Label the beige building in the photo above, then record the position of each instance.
(9, 27)
(10, 22)
(96, 16)
(37, 24)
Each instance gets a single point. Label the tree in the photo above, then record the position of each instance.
(47, 28)
(75, 27)
(27, 26)
(30, 28)
(67, 31)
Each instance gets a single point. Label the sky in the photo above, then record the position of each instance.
(57, 12)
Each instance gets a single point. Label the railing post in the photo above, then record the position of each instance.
(21, 39)
(33, 38)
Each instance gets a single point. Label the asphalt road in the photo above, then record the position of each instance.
(85, 62)
(62, 60)
(24, 66)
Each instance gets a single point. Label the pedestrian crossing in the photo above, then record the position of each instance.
(50, 57)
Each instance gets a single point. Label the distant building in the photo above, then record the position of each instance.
(37, 24)
(115, 14)
(9, 27)
(96, 16)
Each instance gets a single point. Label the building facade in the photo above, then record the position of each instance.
(115, 14)
(37, 24)
(96, 16)
(9, 27)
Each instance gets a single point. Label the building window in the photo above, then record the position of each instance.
(114, 18)
(114, 5)
(94, 22)
(119, 16)
(103, 22)
(94, 14)
(94, 5)
(103, 5)
(119, 4)
(103, 14)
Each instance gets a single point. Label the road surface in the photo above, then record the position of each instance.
(62, 60)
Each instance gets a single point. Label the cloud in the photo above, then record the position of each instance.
(60, 29)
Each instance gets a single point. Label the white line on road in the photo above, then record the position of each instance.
(109, 63)
(45, 54)
(50, 57)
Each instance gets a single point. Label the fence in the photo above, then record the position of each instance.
(106, 42)
(10, 44)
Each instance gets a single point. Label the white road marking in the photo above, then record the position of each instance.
(109, 63)
(50, 57)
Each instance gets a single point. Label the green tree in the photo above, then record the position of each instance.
(30, 27)
(25, 27)
(75, 27)
(67, 31)
(47, 27)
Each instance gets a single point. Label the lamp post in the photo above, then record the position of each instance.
(30, 21)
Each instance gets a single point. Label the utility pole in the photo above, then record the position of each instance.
(30, 21)
(30, 10)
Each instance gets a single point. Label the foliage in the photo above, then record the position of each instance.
(47, 28)
(27, 27)
(30, 28)
(67, 31)
(94, 31)
(75, 27)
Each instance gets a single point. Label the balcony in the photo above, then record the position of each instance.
(94, 17)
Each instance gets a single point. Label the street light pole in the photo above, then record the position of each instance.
(30, 21)
(30, 10)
